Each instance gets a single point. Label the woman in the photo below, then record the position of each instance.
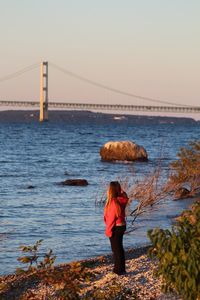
(114, 217)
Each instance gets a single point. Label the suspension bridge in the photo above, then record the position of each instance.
(161, 106)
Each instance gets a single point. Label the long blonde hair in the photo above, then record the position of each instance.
(114, 191)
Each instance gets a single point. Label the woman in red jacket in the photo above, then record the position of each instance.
(114, 217)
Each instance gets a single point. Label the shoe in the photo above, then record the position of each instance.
(119, 273)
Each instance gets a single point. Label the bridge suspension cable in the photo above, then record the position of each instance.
(20, 72)
(92, 82)
(100, 85)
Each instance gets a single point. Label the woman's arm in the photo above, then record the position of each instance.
(110, 218)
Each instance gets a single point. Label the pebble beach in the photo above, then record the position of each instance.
(139, 281)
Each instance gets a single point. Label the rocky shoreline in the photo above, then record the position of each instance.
(138, 283)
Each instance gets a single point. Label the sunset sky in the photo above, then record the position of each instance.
(145, 47)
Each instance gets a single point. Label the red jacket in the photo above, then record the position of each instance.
(110, 215)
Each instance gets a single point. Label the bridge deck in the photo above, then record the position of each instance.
(120, 107)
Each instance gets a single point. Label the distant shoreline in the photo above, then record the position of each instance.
(71, 116)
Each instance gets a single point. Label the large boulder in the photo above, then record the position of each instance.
(123, 151)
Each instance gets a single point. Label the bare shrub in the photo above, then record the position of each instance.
(185, 171)
(147, 192)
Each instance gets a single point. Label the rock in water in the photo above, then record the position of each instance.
(30, 187)
(181, 193)
(76, 182)
(123, 151)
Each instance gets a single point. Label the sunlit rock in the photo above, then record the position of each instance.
(123, 151)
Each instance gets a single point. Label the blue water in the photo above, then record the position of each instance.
(66, 218)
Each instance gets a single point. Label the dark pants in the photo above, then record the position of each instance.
(116, 242)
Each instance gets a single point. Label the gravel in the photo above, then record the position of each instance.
(139, 279)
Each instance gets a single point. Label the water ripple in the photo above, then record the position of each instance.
(66, 218)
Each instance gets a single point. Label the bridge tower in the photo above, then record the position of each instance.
(44, 91)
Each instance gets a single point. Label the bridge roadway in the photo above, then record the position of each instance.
(120, 107)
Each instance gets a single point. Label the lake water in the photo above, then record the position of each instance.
(66, 218)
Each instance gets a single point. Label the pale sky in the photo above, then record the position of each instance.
(145, 47)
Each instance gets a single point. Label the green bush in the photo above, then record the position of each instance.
(178, 254)
(32, 257)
